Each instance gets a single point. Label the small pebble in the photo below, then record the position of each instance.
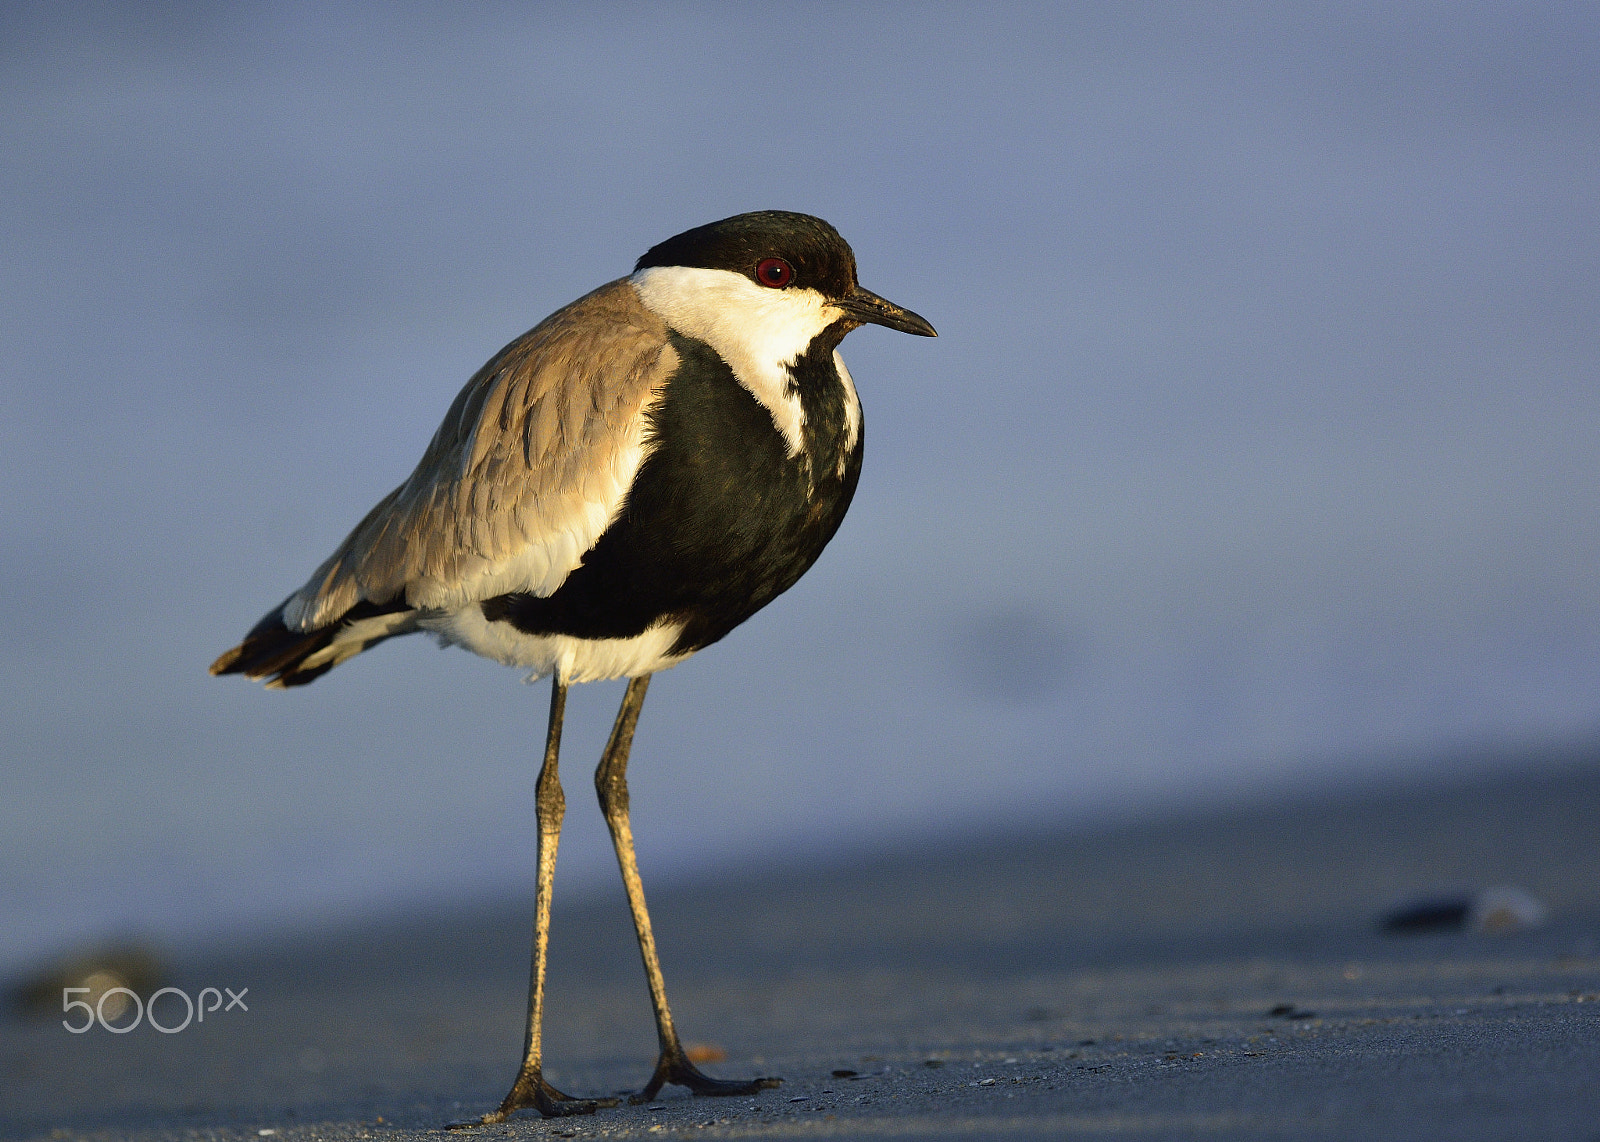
(1290, 1011)
(1498, 910)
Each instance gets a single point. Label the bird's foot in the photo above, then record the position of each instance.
(674, 1068)
(531, 1089)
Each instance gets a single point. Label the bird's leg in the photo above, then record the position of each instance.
(611, 783)
(531, 1089)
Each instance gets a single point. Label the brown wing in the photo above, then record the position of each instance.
(532, 463)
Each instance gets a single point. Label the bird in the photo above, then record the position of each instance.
(615, 490)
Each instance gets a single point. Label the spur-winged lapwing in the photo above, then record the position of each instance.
(617, 488)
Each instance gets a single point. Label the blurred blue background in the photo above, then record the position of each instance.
(1259, 447)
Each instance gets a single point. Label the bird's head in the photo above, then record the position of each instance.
(770, 276)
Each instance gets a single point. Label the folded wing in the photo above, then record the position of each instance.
(532, 463)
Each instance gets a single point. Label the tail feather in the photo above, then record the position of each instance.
(293, 658)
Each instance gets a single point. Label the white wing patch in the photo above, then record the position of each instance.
(351, 640)
(758, 331)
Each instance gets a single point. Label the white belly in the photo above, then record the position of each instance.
(570, 659)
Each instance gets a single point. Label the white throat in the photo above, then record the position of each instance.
(758, 331)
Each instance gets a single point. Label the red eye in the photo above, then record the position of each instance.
(774, 272)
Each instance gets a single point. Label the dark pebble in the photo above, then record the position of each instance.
(1290, 1011)
(1430, 914)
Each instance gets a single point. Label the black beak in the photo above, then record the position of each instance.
(868, 308)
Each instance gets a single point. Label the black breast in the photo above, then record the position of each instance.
(720, 519)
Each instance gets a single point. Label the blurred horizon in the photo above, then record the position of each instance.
(1257, 452)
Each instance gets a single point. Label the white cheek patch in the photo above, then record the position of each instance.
(758, 331)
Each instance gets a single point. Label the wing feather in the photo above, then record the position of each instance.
(531, 464)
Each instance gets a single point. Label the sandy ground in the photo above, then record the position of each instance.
(1116, 984)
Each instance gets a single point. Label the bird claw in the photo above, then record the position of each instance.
(679, 1071)
(532, 1090)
